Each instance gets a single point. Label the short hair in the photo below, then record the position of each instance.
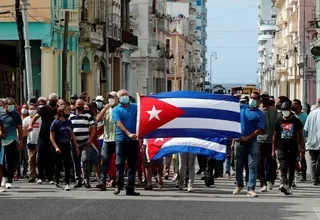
(9, 99)
(256, 93)
(121, 91)
(284, 99)
(297, 101)
(60, 111)
(54, 96)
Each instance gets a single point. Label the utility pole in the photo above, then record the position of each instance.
(19, 21)
(27, 48)
(147, 70)
(108, 18)
(65, 55)
(305, 61)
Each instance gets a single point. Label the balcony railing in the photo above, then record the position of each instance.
(129, 38)
(73, 17)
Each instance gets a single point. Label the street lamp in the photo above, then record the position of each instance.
(213, 54)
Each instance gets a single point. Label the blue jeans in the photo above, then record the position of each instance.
(244, 152)
(127, 151)
(107, 150)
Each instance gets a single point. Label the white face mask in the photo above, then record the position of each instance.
(32, 112)
(24, 111)
(285, 113)
(111, 101)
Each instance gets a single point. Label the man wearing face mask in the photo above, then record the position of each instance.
(127, 145)
(280, 100)
(12, 122)
(32, 140)
(297, 109)
(45, 153)
(99, 102)
(267, 166)
(109, 137)
(287, 141)
(84, 129)
(246, 147)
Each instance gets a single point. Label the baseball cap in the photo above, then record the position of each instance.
(113, 93)
(74, 96)
(286, 105)
(99, 98)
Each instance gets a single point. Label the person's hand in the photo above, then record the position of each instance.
(243, 139)
(274, 155)
(20, 146)
(58, 150)
(133, 136)
(140, 94)
(30, 128)
(301, 155)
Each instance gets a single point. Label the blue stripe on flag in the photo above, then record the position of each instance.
(211, 114)
(191, 132)
(195, 95)
(189, 149)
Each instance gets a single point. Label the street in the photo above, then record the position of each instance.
(32, 202)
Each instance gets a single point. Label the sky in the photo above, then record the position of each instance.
(232, 34)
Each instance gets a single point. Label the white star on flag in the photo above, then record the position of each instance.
(158, 139)
(154, 113)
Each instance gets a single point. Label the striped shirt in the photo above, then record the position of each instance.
(81, 126)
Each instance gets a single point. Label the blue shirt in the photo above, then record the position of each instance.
(62, 131)
(10, 120)
(128, 117)
(251, 120)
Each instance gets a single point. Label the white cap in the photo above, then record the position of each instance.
(113, 93)
(99, 98)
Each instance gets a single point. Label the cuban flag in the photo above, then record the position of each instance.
(211, 147)
(188, 114)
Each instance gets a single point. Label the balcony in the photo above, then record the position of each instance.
(260, 60)
(163, 25)
(129, 38)
(113, 27)
(73, 17)
(97, 35)
(264, 37)
(261, 48)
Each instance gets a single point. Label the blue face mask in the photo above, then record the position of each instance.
(252, 103)
(1, 109)
(10, 108)
(99, 105)
(124, 99)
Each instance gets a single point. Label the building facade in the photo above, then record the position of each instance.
(292, 45)
(266, 29)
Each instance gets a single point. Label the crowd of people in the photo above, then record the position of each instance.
(48, 138)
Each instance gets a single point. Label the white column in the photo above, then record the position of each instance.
(49, 71)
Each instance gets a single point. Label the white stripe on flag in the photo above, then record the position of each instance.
(203, 103)
(202, 123)
(195, 142)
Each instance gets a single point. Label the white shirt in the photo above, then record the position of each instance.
(312, 129)
(34, 134)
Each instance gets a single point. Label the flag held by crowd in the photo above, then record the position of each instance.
(188, 114)
(210, 147)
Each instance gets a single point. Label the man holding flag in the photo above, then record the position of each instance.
(246, 147)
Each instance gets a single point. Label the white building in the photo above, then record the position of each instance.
(266, 31)
(150, 23)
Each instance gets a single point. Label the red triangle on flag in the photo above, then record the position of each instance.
(154, 145)
(153, 113)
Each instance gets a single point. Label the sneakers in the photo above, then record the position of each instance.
(175, 177)
(39, 181)
(190, 186)
(252, 193)
(51, 182)
(285, 189)
(237, 190)
(8, 185)
(3, 182)
(67, 188)
(264, 189)
(2, 189)
(270, 185)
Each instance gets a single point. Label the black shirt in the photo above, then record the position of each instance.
(288, 132)
(47, 115)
